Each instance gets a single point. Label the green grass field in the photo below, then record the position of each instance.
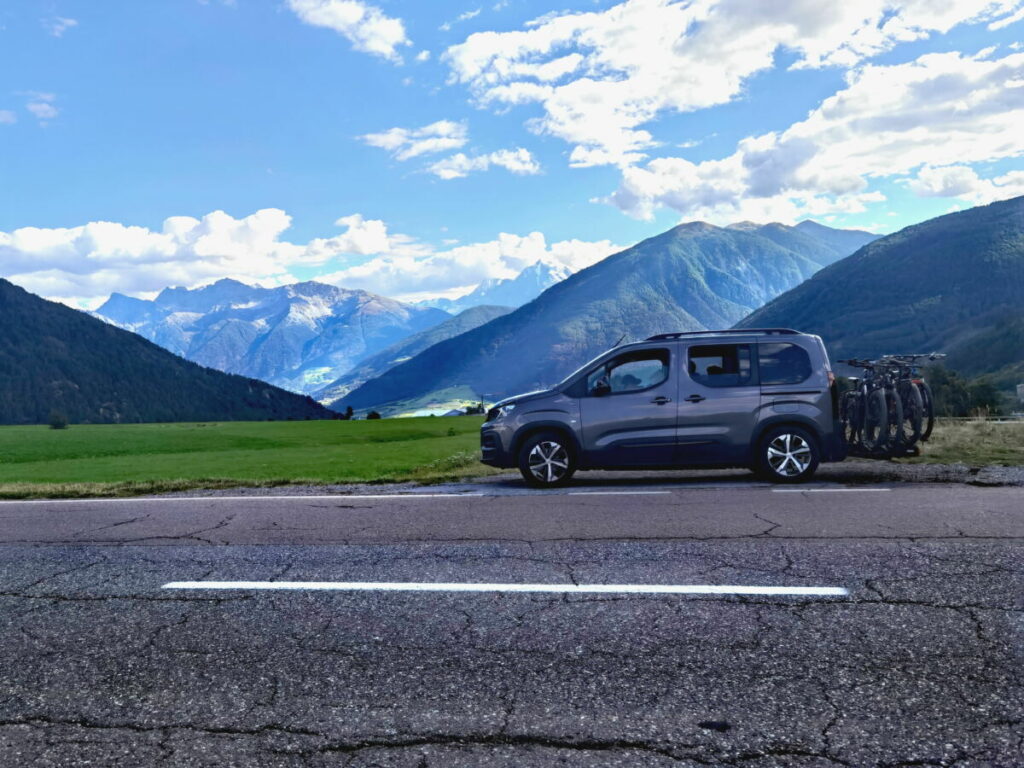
(976, 443)
(126, 459)
(129, 459)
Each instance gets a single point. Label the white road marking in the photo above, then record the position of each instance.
(617, 493)
(416, 586)
(335, 497)
(829, 490)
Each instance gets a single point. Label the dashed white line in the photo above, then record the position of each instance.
(416, 586)
(617, 493)
(829, 490)
(335, 497)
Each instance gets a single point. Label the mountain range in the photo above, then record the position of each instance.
(53, 357)
(952, 284)
(507, 292)
(378, 364)
(692, 277)
(299, 337)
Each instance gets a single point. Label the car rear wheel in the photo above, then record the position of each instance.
(787, 454)
(547, 460)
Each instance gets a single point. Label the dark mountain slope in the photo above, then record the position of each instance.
(692, 277)
(953, 284)
(55, 357)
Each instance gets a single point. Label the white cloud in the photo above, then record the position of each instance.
(963, 182)
(7, 117)
(83, 265)
(461, 17)
(939, 110)
(41, 105)
(406, 143)
(460, 269)
(58, 25)
(365, 26)
(518, 161)
(423, 55)
(600, 76)
(1007, 21)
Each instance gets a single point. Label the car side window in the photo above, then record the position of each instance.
(721, 365)
(632, 372)
(783, 363)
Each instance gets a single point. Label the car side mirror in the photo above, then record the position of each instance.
(601, 387)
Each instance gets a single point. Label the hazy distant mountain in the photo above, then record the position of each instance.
(692, 277)
(508, 292)
(299, 337)
(375, 365)
(952, 284)
(55, 357)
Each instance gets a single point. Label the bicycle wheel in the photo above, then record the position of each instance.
(876, 420)
(913, 413)
(893, 420)
(928, 411)
(850, 415)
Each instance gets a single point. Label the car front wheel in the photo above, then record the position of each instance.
(547, 460)
(787, 455)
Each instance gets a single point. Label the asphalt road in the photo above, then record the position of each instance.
(919, 664)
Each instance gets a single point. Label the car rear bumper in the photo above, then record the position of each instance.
(835, 448)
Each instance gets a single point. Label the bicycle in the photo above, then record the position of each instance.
(910, 372)
(872, 412)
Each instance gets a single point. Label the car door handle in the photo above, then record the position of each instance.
(661, 400)
(695, 398)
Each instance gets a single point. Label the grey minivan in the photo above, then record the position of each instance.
(760, 398)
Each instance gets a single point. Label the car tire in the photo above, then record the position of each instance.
(547, 460)
(787, 454)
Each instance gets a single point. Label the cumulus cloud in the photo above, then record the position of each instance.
(83, 265)
(600, 76)
(407, 143)
(365, 26)
(963, 182)
(518, 161)
(938, 110)
(458, 270)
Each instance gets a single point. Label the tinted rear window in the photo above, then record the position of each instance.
(721, 365)
(783, 363)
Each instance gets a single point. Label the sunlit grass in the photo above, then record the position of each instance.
(131, 459)
(974, 442)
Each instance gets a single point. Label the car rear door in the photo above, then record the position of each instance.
(719, 401)
(628, 410)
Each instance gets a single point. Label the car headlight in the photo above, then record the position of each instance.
(500, 412)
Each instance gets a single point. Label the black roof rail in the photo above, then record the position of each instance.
(731, 332)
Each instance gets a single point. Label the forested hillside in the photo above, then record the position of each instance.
(953, 284)
(53, 357)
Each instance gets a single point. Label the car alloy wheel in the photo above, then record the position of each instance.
(549, 461)
(789, 455)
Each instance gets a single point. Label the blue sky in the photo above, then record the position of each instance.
(164, 142)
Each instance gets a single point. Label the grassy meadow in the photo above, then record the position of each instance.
(127, 459)
(974, 442)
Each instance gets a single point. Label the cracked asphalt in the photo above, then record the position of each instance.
(920, 665)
